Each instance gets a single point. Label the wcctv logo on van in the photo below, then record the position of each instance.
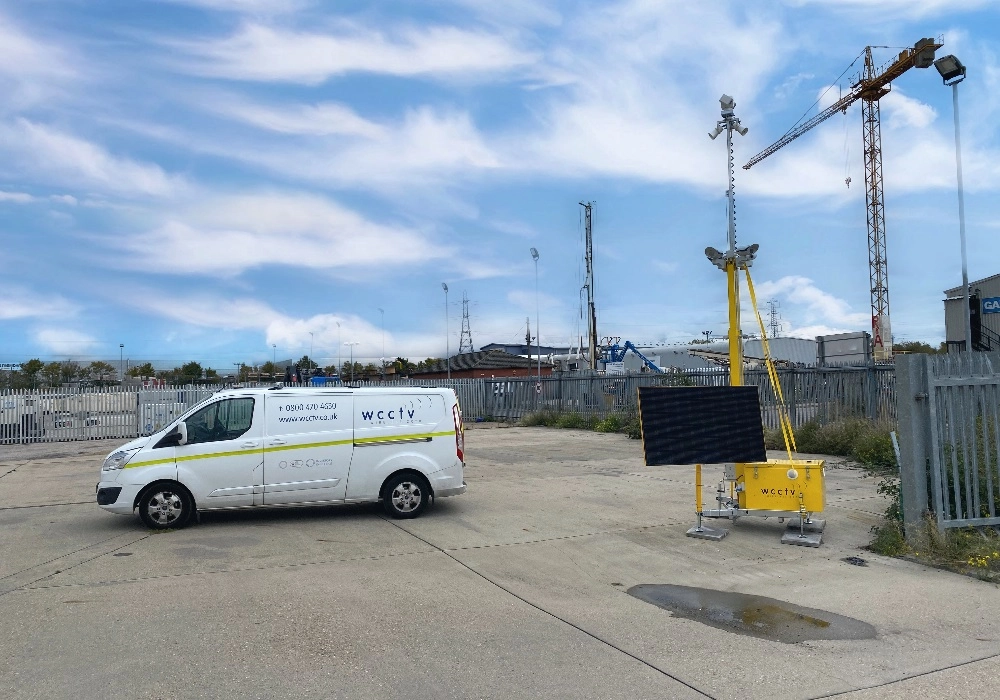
(991, 305)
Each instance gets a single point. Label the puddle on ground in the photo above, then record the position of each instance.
(751, 615)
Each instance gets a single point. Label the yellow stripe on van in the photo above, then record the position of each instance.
(397, 438)
(280, 448)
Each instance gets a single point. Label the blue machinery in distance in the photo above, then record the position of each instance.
(616, 353)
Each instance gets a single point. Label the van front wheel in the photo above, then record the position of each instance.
(405, 496)
(165, 506)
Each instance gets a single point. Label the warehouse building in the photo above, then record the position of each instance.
(984, 315)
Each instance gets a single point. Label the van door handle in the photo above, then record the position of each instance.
(248, 445)
(277, 442)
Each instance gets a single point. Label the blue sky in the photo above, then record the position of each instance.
(207, 179)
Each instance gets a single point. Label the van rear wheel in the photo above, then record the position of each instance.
(165, 506)
(405, 496)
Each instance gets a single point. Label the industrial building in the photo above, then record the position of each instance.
(984, 315)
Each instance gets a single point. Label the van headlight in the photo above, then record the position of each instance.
(118, 460)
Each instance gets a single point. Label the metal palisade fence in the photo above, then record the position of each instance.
(820, 394)
(949, 440)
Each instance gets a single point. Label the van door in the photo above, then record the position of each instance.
(221, 462)
(308, 447)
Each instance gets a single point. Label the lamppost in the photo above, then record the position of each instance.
(734, 257)
(382, 311)
(952, 73)
(340, 364)
(538, 334)
(311, 363)
(274, 354)
(447, 347)
(121, 361)
(352, 344)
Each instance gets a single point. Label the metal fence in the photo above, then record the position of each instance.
(820, 394)
(949, 428)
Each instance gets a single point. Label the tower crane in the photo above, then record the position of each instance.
(869, 87)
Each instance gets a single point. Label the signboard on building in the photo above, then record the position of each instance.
(991, 305)
(10, 367)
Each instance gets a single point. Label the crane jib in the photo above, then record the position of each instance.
(870, 87)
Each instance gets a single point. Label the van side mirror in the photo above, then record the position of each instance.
(177, 436)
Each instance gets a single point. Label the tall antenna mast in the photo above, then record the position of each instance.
(591, 309)
(465, 339)
(775, 321)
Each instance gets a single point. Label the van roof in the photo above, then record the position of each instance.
(334, 391)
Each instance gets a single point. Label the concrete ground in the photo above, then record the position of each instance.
(515, 589)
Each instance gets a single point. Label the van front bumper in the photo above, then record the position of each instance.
(116, 497)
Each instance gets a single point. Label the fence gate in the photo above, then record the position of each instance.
(949, 426)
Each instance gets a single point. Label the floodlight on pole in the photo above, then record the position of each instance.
(351, 345)
(447, 347)
(382, 311)
(538, 333)
(340, 364)
(734, 257)
(952, 73)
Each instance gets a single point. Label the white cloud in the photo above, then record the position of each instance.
(903, 111)
(18, 302)
(54, 156)
(801, 297)
(258, 52)
(246, 6)
(229, 234)
(896, 8)
(321, 119)
(32, 71)
(16, 197)
(65, 341)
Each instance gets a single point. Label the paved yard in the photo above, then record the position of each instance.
(515, 589)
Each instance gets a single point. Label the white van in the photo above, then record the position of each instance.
(287, 446)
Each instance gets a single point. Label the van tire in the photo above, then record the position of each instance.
(405, 496)
(165, 505)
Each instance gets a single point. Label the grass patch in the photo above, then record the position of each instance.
(625, 423)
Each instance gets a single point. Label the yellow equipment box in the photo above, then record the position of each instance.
(777, 483)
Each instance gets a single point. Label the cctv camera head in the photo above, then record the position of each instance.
(728, 103)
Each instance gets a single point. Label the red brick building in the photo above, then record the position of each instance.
(486, 364)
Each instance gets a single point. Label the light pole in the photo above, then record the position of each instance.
(447, 348)
(382, 311)
(734, 257)
(311, 363)
(952, 73)
(538, 333)
(352, 344)
(121, 360)
(274, 355)
(340, 364)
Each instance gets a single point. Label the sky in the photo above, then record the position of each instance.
(232, 181)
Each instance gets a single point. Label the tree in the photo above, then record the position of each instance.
(52, 373)
(190, 372)
(305, 362)
(102, 371)
(331, 370)
(404, 366)
(916, 346)
(140, 371)
(30, 369)
(211, 375)
(70, 371)
(370, 370)
(269, 368)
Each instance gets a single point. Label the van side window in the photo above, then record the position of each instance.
(222, 420)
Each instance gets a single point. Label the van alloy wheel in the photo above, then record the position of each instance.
(165, 507)
(406, 496)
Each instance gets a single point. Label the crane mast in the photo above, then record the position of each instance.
(873, 83)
